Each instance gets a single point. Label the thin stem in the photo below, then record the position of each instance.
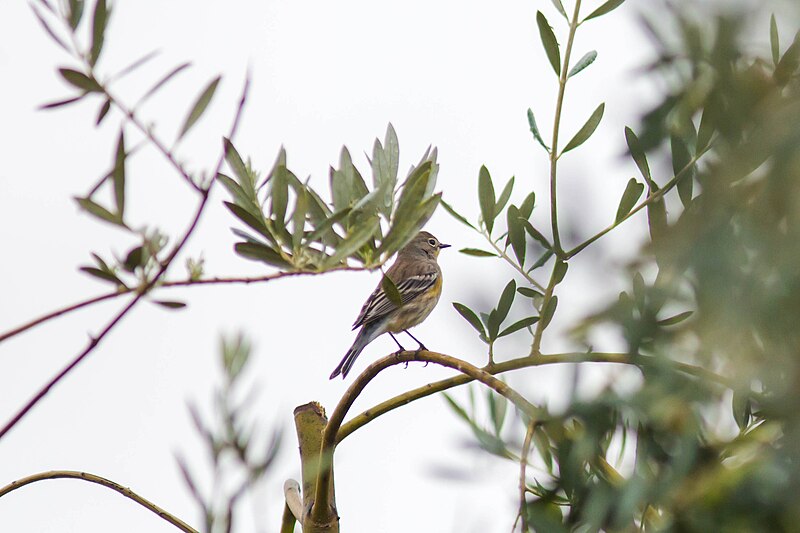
(59, 312)
(246, 280)
(652, 197)
(516, 364)
(554, 155)
(130, 114)
(536, 345)
(523, 466)
(331, 435)
(511, 262)
(91, 478)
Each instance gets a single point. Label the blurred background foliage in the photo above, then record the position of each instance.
(716, 287)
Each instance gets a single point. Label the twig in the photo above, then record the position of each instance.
(93, 342)
(554, 155)
(536, 345)
(513, 263)
(167, 284)
(91, 478)
(523, 484)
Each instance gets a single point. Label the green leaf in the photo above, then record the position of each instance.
(560, 7)
(470, 316)
(135, 258)
(633, 190)
(741, 409)
(354, 241)
(104, 109)
(533, 232)
(99, 211)
(706, 130)
(60, 103)
(237, 165)
(504, 196)
(639, 291)
(486, 198)
(477, 253)
(535, 129)
(498, 405)
(675, 319)
(549, 311)
(680, 160)
(99, 22)
(279, 195)
(253, 221)
(609, 6)
(118, 175)
(391, 291)
(529, 293)
(457, 409)
(518, 325)
(774, 41)
(526, 207)
(454, 214)
(259, 252)
(506, 300)
(559, 271)
(160, 83)
(80, 80)
(200, 105)
(299, 217)
(639, 157)
(586, 130)
(323, 230)
(75, 13)
(516, 234)
(549, 42)
(789, 62)
(587, 59)
(545, 257)
(102, 274)
(406, 221)
(169, 304)
(492, 324)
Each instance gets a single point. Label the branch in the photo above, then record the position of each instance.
(653, 197)
(140, 293)
(516, 364)
(246, 280)
(91, 478)
(293, 508)
(330, 437)
(59, 312)
(513, 263)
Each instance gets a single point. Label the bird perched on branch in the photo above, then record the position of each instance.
(418, 279)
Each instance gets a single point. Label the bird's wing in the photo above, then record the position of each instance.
(379, 305)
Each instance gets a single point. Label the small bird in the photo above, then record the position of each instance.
(418, 279)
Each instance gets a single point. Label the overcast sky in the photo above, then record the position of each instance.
(457, 75)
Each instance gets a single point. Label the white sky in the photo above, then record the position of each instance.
(458, 75)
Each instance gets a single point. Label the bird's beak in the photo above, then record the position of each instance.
(442, 245)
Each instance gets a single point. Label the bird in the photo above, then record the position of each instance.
(418, 278)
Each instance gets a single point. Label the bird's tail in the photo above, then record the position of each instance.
(365, 336)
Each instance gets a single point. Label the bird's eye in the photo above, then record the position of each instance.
(432, 242)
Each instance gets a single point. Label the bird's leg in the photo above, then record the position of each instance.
(421, 346)
(397, 343)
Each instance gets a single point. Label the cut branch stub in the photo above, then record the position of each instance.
(310, 422)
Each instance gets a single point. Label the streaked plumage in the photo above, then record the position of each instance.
(418, 279)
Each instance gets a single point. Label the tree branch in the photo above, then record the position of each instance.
(515, 364)
(91, 478)
(330, 437)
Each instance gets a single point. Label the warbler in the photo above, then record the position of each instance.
(418, 279)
